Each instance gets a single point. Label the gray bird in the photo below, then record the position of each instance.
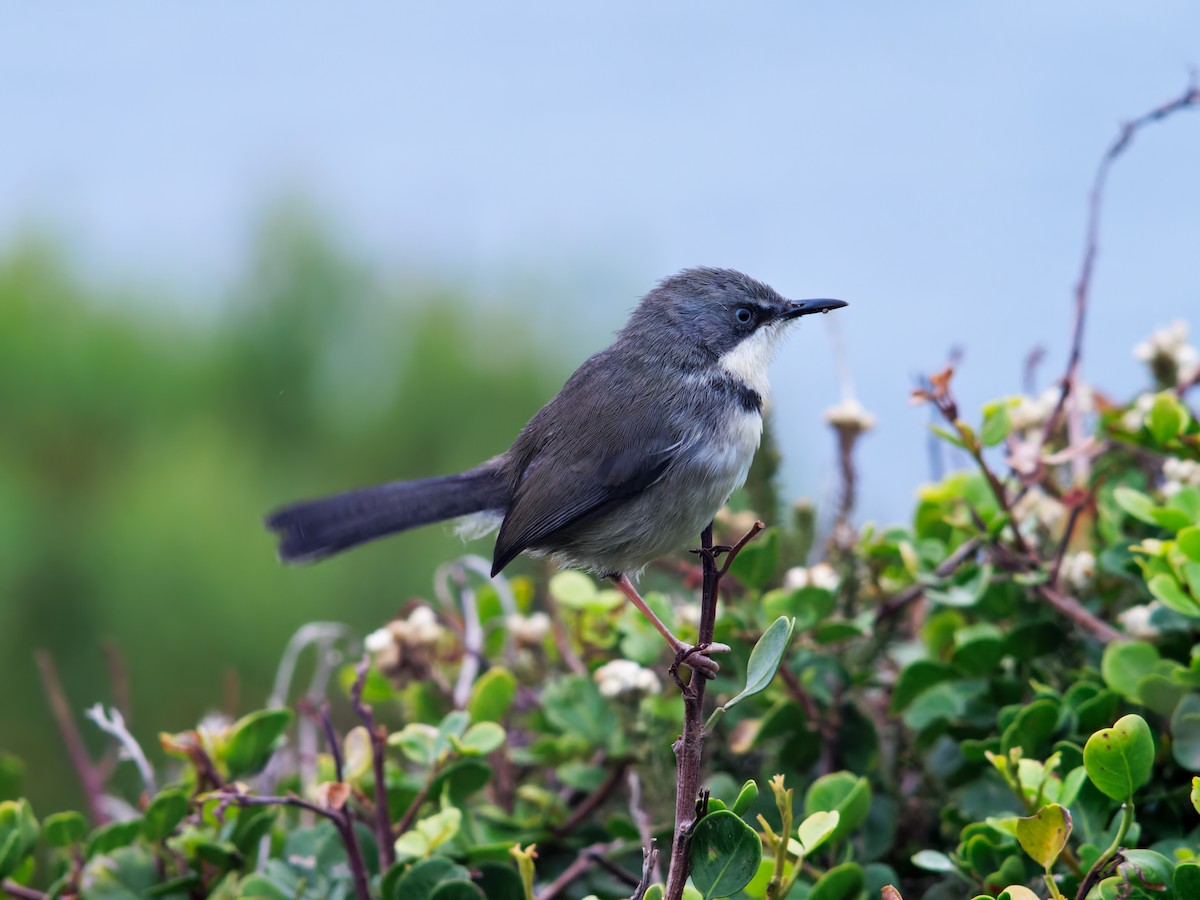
(630, 461)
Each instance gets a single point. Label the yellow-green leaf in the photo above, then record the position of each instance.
(1044, 835)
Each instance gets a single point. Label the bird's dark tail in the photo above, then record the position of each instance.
(314, 529)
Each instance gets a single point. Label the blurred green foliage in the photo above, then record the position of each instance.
(143, 439)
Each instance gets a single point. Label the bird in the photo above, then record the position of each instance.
(633, 457)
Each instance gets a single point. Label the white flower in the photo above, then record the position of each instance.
(624, 676)
(421, 628)
(1136, 621)
(1164, 342)
(378, 640)
(1037, 505)
(1185, 471)
(528, 630)
(822, 575)
(851, 415)
(1168, 346)
(1135, 416)
(1078, 570)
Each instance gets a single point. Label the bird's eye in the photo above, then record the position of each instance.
(743, 315)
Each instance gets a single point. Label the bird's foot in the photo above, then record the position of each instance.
(712, 552)
(698, 657)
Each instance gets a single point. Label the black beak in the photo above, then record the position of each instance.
(796, 308)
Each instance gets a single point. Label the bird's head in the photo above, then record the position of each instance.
(731, 319)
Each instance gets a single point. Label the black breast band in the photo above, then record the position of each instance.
(731, 388)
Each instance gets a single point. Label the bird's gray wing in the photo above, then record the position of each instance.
(570, 478)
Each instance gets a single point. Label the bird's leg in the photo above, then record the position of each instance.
(697, 656)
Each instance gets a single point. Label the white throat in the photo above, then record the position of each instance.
(748, 361)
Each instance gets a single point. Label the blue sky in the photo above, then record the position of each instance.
(928, 162)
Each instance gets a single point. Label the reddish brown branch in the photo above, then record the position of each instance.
(689, 748)
(339, 817)
(85, 769)
(378, 736)
(586, 859)
(1189, 99)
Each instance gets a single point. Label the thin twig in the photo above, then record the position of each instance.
(1072, 609)
(16, 890)
(339, 817)
(592, 802)
(89, 777)
(378, 735)
(1068, 532)
(649, 865)
(965, 551)
(331, 738)
(589, 857)
(641, 819)
(689, 748)
(733, 552)
(1189, 98)
(410, 814)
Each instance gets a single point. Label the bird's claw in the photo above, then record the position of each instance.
(698, 657)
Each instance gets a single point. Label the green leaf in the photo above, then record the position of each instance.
(1186, 881)
(933, 861)
(1031, 728)
(164, 813)
(500, 882)
(482, 738)
(108, 838)
(1043, 836)
(947, 435)
(1196, 792)
(12, 775)
(807, 605)
(849, 795)
(1136, 504)
(816, 829)
(416, 741)
(756, 562)
(492, 695)
(1185, 732)
(250, 827)
(844, 882)
(725, 854)
(1171, 519)
(1167, 417)
(259, 887)
(18, 834)
(419, 881)
(746, 797)
(765, 659)
(1119, 759)
(1147, 869)
(64, 828)
(1125, 663)
(917, 677)
(1167, 589)
(572, 589)
(181, 884)
(1188, 542)
(996, 424)
(1017, 892)
(574, 706)
(456, 889)
(253, 739)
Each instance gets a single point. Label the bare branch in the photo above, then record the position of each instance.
(89, 776)
(1189, 99)
(378, 735)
